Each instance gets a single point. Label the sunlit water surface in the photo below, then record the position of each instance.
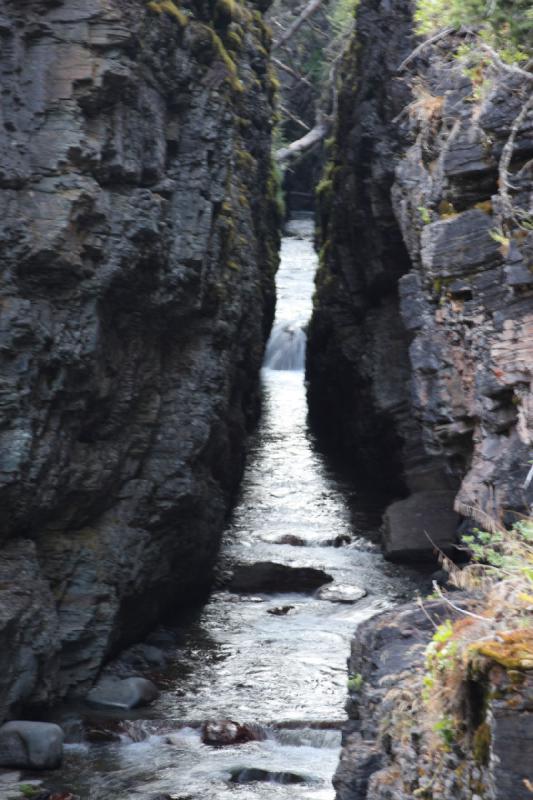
(236, 660)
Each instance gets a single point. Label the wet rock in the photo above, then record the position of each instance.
(103, 731)
(268, 576)
(31, 745)
(292, 539)
(254, 775)
(338, 541)
(280, 611)
(341, 593)
(136, 661)
(227, 732)
(284, 538)
(128, 693)
(414, 527)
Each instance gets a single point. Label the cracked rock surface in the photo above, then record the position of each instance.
(421, 344)
(138, 241)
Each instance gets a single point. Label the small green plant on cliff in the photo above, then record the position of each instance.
(446, 729)
(355, 682)
(505, 25)
(493, 625)
(440, 655)
(425, 216)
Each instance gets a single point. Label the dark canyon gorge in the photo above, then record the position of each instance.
(175, 528)
(139, 250)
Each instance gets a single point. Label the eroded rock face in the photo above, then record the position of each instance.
(421, 344)
(468, 298)
(139, 240)
(390, 749)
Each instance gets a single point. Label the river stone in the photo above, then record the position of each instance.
(31, 745)
(292, 539)
(268, 576)
(341, 593)
(128, 693)
(255, 774)
(408, 524)
(284, 538)
(279, 611)
(219, 733)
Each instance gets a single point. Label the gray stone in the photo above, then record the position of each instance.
(414, 527)
(31, 745)
(127, 693)
(460, 245)
(267, 576)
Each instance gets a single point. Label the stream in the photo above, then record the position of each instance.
(276, 660)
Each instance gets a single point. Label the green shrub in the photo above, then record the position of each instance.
(505, 24)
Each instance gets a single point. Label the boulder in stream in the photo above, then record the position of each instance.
(220, 733)
(280, 611)
(128, 693)
(268, 576)
(341, 593)
(31, 745)
(255, 774)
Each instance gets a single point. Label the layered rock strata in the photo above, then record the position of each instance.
(139, 246)
(396, 747)
(421, 344)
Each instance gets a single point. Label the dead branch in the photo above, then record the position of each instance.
(315, 135)
(509, 211)
(426, 614)
(512, 69)
(290, 71)
(457, 608)
(294, 118)
(309, 9)
(438, 36)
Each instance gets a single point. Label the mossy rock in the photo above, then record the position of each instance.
(513, 649)
(171, 9)
(481, 743)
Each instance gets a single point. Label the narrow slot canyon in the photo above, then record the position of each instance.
(297, 572)
(266, 400)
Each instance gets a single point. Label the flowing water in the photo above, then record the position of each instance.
(275, 660)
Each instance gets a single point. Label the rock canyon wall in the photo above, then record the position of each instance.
(421, 344)
(139, 246)
(420, 365)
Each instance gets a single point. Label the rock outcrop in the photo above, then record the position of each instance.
(421, 344)
(396, 749)
(139, 246)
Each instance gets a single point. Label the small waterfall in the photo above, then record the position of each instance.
(286, 347)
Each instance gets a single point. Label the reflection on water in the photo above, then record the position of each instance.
(286, 672)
